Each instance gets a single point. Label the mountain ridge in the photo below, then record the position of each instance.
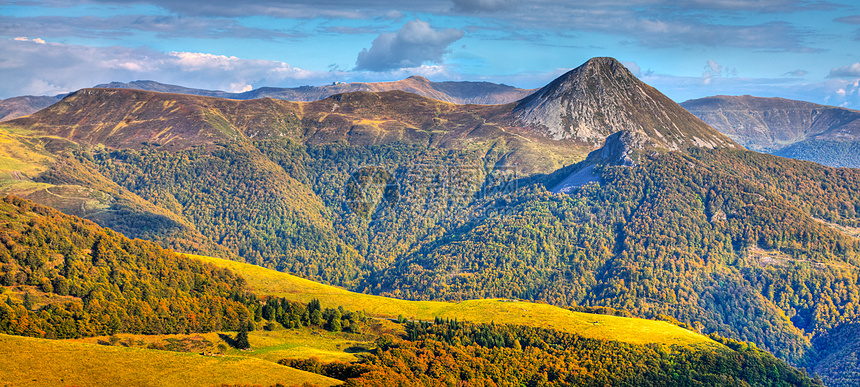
(828, 135)
(460, 92)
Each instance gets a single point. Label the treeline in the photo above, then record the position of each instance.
(447, 353)
(106, 283)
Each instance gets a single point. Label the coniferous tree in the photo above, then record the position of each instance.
(241, 340)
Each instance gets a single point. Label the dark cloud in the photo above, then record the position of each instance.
(373, 8)
(761, 6)
(849, 71)
(797, 73)
(853, 19)
(651, 23)
(653, 26)
(413, 45)
(293, 9)
(484, 6)
(351, 30)
(774, 36)
(127, 25)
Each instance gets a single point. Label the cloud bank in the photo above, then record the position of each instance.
(413, 45)
(51, 68)
(852, 70)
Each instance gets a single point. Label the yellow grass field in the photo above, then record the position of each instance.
(30, 362)
(630, 330)
(272, 345)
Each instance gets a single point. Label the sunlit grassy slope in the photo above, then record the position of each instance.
(28, 361)
(271, 345)
(630, 330)
(20, 160)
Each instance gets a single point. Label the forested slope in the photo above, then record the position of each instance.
(132, 286)
(93, 281)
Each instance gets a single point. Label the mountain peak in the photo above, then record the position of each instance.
(602, 97)
(605, 65)
(418, 78)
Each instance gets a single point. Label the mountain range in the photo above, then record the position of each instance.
(484, 93)
(596, 191)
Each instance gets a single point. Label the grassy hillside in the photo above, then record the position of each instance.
(87, 365)
(264, 281)
(271, 345)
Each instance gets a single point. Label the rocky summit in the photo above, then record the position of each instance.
(602, 97)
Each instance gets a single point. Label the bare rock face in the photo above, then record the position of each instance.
(602, 97)
(619, 147)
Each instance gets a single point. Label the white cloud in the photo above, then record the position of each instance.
(49, 69)
(240, 88)
(198, 60)
(852, 70)
(716, 70)
(415, 44)
(26, 39)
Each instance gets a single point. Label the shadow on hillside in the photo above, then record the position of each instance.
(356, 349)
(228, 339)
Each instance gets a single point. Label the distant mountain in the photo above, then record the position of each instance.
(484, 93)
(166, 88)
(128, 118)
(802, 130)
(15, 107)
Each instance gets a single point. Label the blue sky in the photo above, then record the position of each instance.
(807, 50)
